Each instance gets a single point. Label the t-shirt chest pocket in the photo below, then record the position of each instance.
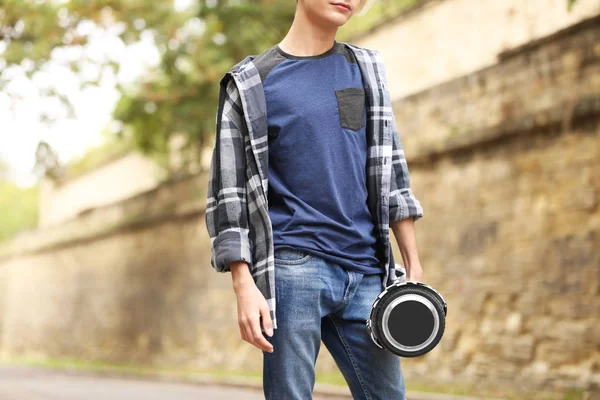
(351, 107)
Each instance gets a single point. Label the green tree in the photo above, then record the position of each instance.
(571, 4)
(19, 209)
(3, 171)
(46, 162)
(197, 45)
(19, 206)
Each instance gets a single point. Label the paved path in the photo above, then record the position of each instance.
(35, 384)
(28, 383)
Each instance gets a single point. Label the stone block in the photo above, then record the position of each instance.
(514, 323)
(519, 349)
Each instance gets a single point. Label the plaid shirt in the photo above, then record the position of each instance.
(237, 212)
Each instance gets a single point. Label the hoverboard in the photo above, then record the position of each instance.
(408, 318)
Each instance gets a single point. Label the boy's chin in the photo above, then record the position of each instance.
(337, 19)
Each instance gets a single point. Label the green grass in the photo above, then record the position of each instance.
(333, 378)
(126, 369)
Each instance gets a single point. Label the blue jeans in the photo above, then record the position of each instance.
(319, 300)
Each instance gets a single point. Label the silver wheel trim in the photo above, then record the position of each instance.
(401, 299)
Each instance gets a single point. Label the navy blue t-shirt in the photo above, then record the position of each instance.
(317, 195)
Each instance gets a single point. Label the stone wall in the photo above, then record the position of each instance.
(446, 39)
(115, 180)
(130, 282)
(506, 162)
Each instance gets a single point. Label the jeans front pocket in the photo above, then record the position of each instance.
(291, 256)
(351, 107)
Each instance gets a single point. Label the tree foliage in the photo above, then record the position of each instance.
(19, 206)
(571, 3)
(180, 96)
(197, 45)
(47, 163)
(20, 209)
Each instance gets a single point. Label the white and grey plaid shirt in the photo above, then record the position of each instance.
(237, 213)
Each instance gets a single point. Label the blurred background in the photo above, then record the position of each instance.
(107, 117)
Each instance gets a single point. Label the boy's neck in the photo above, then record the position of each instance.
(307, 38)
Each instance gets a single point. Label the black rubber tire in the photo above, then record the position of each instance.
(394, 294)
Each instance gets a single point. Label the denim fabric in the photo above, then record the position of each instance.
(321, 301)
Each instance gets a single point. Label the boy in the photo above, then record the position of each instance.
(307, 176)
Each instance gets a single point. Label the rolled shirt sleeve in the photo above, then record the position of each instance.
(402, 202)
(226, 206)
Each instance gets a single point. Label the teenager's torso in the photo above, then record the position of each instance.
(251, 107)
(317, 194)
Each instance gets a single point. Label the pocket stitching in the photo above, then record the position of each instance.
(293, 261)
(351, 94)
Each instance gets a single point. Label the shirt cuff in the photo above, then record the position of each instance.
(229, 247)
(403, 204)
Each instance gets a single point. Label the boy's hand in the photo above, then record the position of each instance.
(414, 272)
(252, 306)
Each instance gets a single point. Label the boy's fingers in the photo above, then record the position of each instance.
(244, 330)
(258, 338)
(266, 320)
